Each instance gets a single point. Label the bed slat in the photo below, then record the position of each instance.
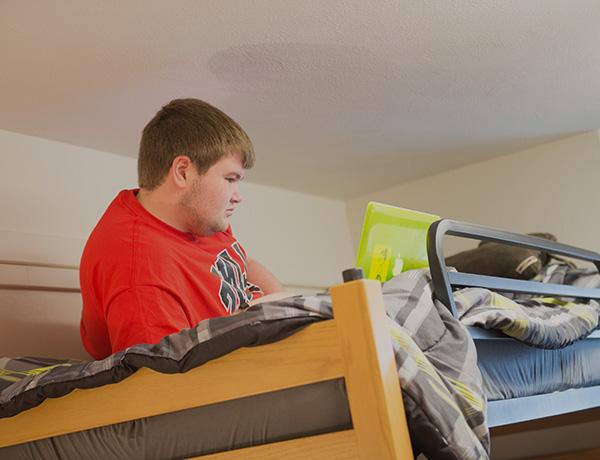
(339, 445)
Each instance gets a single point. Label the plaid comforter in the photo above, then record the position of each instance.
(436, 362)
(436, 358)
(539, 321)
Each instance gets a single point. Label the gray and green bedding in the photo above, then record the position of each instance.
(539, 321)
(548, 355)
(437, 361)
(436, 389)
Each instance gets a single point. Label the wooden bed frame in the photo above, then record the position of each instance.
(355, 345)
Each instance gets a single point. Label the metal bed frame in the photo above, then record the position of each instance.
(515, 410)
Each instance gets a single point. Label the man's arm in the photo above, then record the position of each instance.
(263, 278)
(143, 314)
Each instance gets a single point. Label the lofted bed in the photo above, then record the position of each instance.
(354, 346)
(347, 361)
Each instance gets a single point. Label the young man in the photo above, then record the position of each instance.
(163, 258)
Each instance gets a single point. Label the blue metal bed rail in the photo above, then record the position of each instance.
(444, 281)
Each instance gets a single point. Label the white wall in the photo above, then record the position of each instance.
(551, 187)
(52, 194)
(305, 240)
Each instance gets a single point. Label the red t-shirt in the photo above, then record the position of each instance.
(142, 279)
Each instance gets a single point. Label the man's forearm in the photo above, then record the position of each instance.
(263, 278)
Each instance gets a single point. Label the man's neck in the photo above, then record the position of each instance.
(161, 206)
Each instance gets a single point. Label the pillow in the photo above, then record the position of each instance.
(497, 259)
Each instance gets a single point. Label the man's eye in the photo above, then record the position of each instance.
(230, 179)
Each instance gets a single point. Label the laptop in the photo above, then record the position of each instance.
(393, 240)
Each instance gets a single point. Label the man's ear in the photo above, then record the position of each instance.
(180, 170)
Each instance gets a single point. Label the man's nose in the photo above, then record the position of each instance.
(236, 197)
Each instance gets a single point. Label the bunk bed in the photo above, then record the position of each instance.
(353, 352)
(355, 347)
(493, 346)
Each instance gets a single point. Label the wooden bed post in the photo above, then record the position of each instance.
(370, 368)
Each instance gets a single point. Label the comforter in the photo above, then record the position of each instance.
(436, 358)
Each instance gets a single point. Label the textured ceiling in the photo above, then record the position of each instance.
(340, 97)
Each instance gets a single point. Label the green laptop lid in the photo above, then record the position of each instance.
(392, 240)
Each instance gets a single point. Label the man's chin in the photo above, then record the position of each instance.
(221, 226)
(211, 229)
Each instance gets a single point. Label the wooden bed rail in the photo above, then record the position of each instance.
(26, 275)
(355, 345)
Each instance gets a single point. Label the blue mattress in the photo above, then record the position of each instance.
(512, 369)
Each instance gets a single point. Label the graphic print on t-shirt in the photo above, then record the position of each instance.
(232, 291)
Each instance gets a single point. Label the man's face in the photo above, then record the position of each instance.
(212, 197)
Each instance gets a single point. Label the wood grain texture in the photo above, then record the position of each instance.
(339, 445)
(356, 345)
(370, 369)
(311, 355)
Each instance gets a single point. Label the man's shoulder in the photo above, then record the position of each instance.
(116, 219)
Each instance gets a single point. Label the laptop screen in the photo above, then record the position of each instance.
(392, 240)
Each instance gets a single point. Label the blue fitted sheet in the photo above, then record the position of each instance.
(512, 369)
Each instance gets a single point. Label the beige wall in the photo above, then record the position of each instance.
(52, 194)
(551, 187)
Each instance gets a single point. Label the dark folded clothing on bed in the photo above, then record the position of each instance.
(497, 259)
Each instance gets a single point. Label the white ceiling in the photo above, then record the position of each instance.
(340, 97)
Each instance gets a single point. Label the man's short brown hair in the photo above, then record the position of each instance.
(193, 128)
